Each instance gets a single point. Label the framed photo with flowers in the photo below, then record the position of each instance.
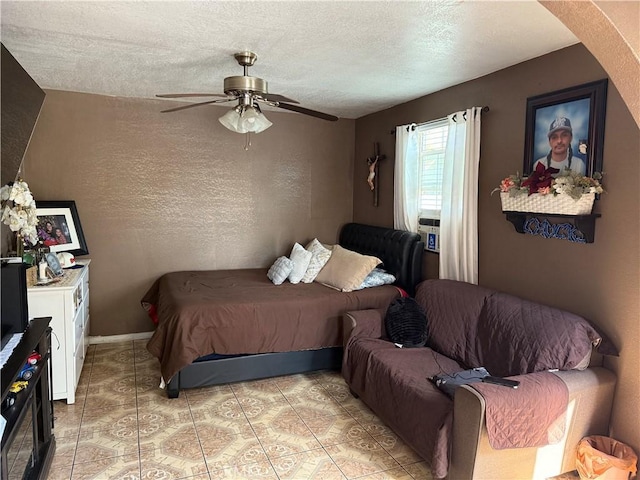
(59, 227)
(565, 129)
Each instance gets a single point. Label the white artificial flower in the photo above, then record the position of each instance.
(19, 210)
(32, 218)
(31, 233)
(28, 199)
(14, 222)
(6, 212)
(5, 192)
(19, 197)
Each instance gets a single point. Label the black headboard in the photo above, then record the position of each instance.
(400, 251)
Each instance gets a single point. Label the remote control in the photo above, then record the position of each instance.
(501, 381)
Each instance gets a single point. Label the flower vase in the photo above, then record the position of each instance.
(19, 245)
(549, 204)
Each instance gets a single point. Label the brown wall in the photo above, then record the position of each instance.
(162, 192)
(600, 281)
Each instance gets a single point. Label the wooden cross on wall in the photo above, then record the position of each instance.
(372, 178)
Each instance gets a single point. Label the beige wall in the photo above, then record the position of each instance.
(162, 192)
(601, 280)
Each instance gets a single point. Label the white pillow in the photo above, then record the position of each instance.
(320, 256)
(280, 270)
(300, 258)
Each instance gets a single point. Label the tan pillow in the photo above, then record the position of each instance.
(346, 270)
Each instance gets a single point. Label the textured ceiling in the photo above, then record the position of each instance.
(345, 58)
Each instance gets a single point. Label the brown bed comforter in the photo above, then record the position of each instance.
(241, 311)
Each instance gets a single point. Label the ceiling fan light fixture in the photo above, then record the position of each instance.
(253, 120)
(245, 119)
(231, 119)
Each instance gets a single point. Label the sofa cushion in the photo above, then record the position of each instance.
(516, 336)
(452, 310)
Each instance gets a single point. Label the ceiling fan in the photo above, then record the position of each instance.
(247, 117)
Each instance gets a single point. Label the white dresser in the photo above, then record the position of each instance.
(67, 303)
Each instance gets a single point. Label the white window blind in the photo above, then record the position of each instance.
(432, 140)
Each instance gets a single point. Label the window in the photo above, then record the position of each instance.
(432, 140)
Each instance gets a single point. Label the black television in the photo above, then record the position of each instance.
(13, 305)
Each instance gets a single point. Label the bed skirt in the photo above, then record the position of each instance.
(239, 368)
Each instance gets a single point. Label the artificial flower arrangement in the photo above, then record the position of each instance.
(548, 190)
(19, 211)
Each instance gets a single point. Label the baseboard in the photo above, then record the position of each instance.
(127, 337)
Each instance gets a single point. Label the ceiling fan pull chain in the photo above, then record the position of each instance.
(247, 143)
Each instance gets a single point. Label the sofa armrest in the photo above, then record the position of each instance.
(363, 323)
(360, 323)
(588, 412)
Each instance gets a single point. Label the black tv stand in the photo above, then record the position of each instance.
(28, 443)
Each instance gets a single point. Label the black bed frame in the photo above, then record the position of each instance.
(401, 254)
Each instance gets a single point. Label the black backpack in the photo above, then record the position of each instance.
(406, 323)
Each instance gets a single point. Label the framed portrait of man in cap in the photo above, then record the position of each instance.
(565, 129)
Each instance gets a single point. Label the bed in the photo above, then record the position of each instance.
(224, 326)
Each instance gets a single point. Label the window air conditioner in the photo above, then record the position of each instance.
(429, 231)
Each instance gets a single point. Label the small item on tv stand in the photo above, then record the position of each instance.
(32, 276)
(66, 259)
(42, 270)
(54, 265)
(501, 381)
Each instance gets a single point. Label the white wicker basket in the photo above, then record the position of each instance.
(557, 204)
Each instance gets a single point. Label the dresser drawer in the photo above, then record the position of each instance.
(78, 329)
(76, 299)
(79, 361)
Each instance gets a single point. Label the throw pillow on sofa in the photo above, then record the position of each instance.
(516, 337)
(453, 335)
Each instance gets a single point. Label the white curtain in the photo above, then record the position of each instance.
(459, 214)
(405, 184)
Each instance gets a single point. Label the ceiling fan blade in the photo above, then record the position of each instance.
(273, 97)
(184, 95)
(184, 107)
(307, 111)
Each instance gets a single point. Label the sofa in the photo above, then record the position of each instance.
(484, 431)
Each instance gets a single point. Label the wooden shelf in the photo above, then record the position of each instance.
(574, 228)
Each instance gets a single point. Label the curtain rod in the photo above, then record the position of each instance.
(484, 109)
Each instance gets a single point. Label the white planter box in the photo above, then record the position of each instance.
(554, 204)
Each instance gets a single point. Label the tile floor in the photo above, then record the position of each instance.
(298, 427)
